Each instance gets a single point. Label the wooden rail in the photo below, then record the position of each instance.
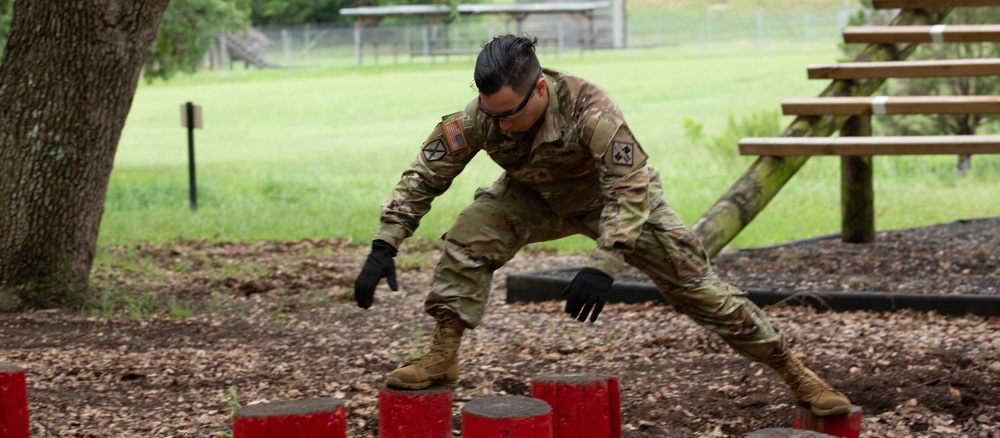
(906, 69)
(880, 105)
(940, 33)
(864, 146)
(931, 4)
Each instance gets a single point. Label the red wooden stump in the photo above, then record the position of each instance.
(507, 417)
(843, 426)
(310, 418)
(583, 405)
(13, 402)
(405, 413)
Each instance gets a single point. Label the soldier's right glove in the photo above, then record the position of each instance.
(588, 290)
(378, 266)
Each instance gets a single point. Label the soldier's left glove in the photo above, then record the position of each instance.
(588, 291)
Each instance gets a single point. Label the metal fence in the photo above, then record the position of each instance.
(417, 41)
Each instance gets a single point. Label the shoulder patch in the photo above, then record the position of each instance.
(434, 150)
(455, 135)
(622, 153)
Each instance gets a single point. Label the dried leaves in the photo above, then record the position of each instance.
(276, 321)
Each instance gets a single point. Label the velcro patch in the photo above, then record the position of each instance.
(455, 136)
(622, 153)
(434, 150)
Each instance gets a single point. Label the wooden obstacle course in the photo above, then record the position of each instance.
(930, 4)
(315, 417)
(507, 416)
(895, 105)
(583, 405)
(842, 426)
(940, 33)
(863, 146)
(13, 402)
(423, 413)
(906, 69)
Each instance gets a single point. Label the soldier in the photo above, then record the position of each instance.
(571, 166)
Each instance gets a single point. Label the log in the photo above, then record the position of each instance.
(309, 418)
(842, 426)
(748, 196)
(583, 405)
(423, 413)
(13, 402)
(507, 416)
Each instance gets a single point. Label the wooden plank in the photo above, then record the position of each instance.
(906, 69)
(860, 146)
(883, 105)
(953, 33)
(931, 4)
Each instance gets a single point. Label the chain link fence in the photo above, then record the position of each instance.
(415, 41)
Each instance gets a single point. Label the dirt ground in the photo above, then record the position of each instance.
(187, 333)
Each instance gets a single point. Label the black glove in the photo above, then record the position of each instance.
(588, 290)
(379, 265)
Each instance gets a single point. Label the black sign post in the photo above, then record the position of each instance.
(191, 119)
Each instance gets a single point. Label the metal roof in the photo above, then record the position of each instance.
(472, 9)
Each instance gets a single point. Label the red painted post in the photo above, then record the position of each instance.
(310, 418)
(507, 417)
(13, 402)
(842, 426)
(423, 413)
(583, 405)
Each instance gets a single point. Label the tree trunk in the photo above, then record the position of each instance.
(765, 177)
(67, 79)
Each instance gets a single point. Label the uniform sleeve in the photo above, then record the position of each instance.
(624, 179)
(442, 157)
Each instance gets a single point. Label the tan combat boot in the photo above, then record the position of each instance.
(807, 387)
(440, 365)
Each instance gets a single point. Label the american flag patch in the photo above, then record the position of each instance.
(455, 136)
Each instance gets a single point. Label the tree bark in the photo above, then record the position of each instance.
(761, 182)
(67, 80)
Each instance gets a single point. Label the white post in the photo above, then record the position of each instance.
(618, 23)
(223, 54)
(357, 42)
(286, 44)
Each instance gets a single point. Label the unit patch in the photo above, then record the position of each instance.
(434, 150)
(622, 153)
(455, 136)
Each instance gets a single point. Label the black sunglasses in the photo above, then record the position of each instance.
(508, 114)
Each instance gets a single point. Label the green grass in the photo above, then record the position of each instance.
(313, 152)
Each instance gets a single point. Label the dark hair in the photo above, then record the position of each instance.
(507, 60)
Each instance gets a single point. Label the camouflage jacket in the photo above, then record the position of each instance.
(583, 158)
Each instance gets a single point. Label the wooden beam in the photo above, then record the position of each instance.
(748, 196)
(952, 33)
(931, 4)
(857, 193)
(861, 146)
(883, 105)
(907, 69)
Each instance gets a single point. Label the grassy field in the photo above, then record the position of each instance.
(290, 154)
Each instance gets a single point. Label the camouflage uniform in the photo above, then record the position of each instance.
(582, 172)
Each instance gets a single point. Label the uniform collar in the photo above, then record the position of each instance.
(549, 131)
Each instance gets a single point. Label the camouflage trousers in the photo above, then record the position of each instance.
(507, 216)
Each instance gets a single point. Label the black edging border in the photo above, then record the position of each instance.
(542, 286)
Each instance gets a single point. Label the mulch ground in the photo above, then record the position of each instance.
(187, 333)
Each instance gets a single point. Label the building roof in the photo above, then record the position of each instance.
(472, 9)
